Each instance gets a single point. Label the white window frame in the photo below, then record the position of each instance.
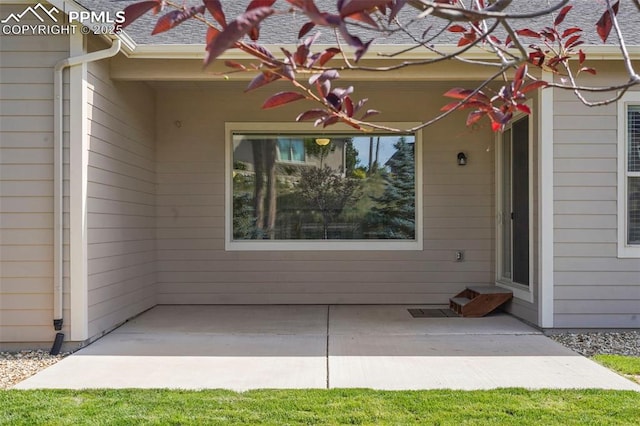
(625, 249)
(313, 245)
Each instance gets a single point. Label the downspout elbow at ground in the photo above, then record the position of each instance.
(58, 179)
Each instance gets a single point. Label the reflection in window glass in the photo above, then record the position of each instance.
(291, 149)
(634, 210)
(296, 187)
(633, 174)
(633, 123)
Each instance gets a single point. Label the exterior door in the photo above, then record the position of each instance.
(514, 204)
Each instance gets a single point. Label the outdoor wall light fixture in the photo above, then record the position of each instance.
(323, 141)
(462, 159)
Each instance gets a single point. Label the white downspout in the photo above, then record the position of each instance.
(58, 181)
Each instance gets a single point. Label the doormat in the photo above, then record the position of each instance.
(432, 313)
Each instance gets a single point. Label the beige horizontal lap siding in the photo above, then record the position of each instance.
(193, 266)
(593, 287)
(26, 184)
(121, 199)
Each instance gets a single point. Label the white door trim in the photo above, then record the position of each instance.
(545, 206)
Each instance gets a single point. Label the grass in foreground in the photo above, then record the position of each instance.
(627, 365)
(338, 406)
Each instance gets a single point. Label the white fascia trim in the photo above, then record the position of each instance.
(624, 250)
(128, 45)
(176, 51)
(319, 245)
(378, 52)
(545, 208)
(609, 52)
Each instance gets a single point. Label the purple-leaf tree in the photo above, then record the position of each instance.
(496, 26)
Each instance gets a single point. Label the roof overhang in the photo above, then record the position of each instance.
(184, 62)
(377, 52)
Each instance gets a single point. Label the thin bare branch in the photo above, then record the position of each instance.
(593, 89)
(443, 57)
(461, 103)
(515, 39)
(623, 47)
(618, 90)
(419, 43)
(455, 13)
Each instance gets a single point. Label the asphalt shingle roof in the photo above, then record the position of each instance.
(283, 29)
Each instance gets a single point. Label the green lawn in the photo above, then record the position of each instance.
(627, 365)
(359, 406)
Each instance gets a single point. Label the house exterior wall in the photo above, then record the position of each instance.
(193, 266)
(26, 184)
(593, 287)
(121, 199)
(156, 204)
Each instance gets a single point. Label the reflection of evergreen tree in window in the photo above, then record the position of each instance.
(244, 221)
(394, 215)
(351, 157)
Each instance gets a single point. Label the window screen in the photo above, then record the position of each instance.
(633, 173)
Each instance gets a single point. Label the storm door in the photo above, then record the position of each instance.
(513, 204)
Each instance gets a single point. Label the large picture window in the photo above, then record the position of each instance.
(629, 175)
(312, 191)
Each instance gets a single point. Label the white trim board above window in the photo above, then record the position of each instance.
(629, 175)
(342, 191)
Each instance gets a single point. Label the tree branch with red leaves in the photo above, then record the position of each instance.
(493, 26)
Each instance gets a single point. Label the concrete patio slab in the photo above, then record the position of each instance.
(191, 362)
(231, 319)
(466, 362)
(382, 347)
(196, 347)
(397, 321)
